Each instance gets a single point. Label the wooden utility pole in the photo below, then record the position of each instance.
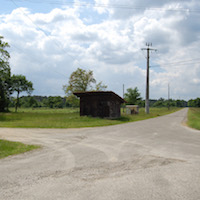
(123, 98)
(147, 77)
(168, 96)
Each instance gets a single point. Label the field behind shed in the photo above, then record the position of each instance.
(69, 118)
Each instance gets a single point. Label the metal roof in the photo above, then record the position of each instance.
(99, 93)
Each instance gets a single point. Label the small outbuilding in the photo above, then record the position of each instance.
(104, 104)
(132, 109)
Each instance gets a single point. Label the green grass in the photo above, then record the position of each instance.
(8, 148)
(69, 118)
(194, 118)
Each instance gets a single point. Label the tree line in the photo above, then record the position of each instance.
(79, 81)
(64, 102)
(133, 96)
(40, 101)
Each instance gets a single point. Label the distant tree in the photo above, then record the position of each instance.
(81, 81)
(132, 96)
(72, 101)
(20, 84)
(197, 102)
(191, 103)
(160, 103)
(5, 74)
(54, 102)
(181, 103)
(194, 102)
(32, 102)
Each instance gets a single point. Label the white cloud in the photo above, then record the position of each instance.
(48, 47)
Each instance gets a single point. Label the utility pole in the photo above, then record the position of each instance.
(147, 77)
(168, 96)
(123, 98)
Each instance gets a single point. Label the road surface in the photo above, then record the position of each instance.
(155, 159)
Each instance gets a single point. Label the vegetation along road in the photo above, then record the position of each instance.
(157, 158)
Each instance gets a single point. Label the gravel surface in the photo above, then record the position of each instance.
(155, 159)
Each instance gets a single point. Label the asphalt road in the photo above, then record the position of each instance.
(155, 159)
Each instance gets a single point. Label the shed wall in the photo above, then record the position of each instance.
(100, 106)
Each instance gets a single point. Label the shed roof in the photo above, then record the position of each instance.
(99, 93)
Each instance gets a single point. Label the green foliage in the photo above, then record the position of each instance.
(72, 101)
(81, 81)
(40, 101)
(28, 102)
(5, 83)
(160, 103)
(194, 102)
(54, 102)
(100, 86)
(133, 96)
(168, 103)
(20, 84)
(194, 118)
(8, 148)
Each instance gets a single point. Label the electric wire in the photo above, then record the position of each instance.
(116, 6)
(183, 62)
(100, 5)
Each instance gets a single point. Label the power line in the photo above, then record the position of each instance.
(116, 6)
(183, 62)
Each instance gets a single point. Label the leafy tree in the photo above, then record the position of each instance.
(160, 103)
(32, 102)
(180, 103)
(194, 102)
(28, 102)
(20, 84)
(81, 81)
(5, 84)
(55, 102)
(100, 86)
(72, 101)
(133, 96)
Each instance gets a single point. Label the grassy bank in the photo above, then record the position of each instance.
(194, 118)
(8, 148)
(69, 118)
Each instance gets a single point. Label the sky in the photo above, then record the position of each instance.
(50, 39)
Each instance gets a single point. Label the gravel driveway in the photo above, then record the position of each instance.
(155, 159)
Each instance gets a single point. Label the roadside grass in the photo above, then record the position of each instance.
(8, 148)
(194, 118)
(69, 118)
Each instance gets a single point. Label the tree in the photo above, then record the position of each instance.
(160, 103)
(100, 86)
(5, 84)
(81, 81)
(194, 102)
(133, 96)
(20, 84)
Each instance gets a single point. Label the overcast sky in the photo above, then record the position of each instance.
(50, 39)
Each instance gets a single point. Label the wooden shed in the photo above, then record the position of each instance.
(100, 104)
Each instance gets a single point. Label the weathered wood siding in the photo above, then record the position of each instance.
(100, 104)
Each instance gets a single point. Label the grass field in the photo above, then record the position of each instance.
(8, 148)
(194, 118)
(68, 118)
